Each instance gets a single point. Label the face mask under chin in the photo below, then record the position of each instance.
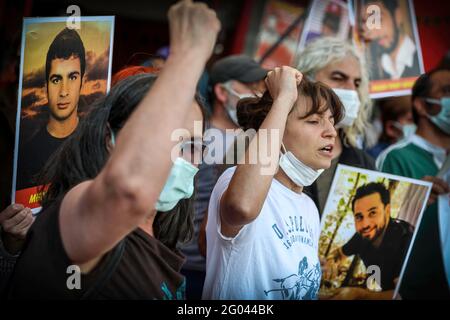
(301, 174)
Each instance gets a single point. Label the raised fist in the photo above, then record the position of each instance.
(193, 28)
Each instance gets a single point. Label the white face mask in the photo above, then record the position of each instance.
(231, 104)
(350, 100)
(297, 171)
(407, 129)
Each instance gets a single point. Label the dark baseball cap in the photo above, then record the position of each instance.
(236, 67)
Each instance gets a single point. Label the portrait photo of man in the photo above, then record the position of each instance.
(392, 47)
(64, 70)
(379, 240)
(367, 230)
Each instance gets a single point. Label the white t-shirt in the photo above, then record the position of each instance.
(273, 257)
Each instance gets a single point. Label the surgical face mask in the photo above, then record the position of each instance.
(442, 119)
(179, 184)
(350, 100)
(231, 104)
(297, 171)
(407, 129)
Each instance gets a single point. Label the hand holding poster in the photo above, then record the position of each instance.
(368, 226)
(62, 72)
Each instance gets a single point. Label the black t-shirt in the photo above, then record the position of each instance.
(146, 269)
(34, 151)
(389, 256)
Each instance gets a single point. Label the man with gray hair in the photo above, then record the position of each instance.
(338, 64)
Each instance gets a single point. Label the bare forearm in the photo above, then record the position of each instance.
(251, 181)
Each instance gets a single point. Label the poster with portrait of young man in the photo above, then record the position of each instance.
(387, 33)
(367, 229)
(64, 68)
(326, 18)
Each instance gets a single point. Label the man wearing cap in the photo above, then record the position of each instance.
(231, 79)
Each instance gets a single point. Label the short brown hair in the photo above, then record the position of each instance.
(251, 112)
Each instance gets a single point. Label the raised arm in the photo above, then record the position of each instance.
(97, 214)
(242, 202)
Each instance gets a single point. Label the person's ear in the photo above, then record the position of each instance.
(220, 93)
(109, 139)
(392, 131)
(388, 210)
(419, 105)
(398, 20)
(83, 79)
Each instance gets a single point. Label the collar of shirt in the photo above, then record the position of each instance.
(439, 154)
(404, 58)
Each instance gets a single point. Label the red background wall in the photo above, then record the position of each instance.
(433, 21)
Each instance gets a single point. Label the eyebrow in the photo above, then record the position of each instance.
(73, 73)
(373, 208)
(58, 76)
(55, 76)
(340, 73)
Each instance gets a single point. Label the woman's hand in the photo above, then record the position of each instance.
(15, 220)
(282, 83)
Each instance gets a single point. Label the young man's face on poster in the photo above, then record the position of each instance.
(387, 36)
(371, 216)
(63, 87)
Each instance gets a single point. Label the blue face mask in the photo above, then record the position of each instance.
(179, 184)
(407, 129)
(442, 119)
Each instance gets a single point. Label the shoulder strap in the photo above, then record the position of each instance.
(91, 293)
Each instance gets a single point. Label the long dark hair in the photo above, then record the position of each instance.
(82, 156)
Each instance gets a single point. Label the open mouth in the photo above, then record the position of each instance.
(327, 150)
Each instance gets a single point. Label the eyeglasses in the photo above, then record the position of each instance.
(193, 150)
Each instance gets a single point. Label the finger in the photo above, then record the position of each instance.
(21, 229)
(10, 211)
(298, 77)
(438, 183)
(16, 219)
(441, 183)
(438, 189)
(431, 200)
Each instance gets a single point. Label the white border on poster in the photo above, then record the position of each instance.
(390, 94)
(327, 208)
(26, 22)
(415, 34)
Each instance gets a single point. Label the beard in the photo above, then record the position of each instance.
(394, 43)
(378, 233)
